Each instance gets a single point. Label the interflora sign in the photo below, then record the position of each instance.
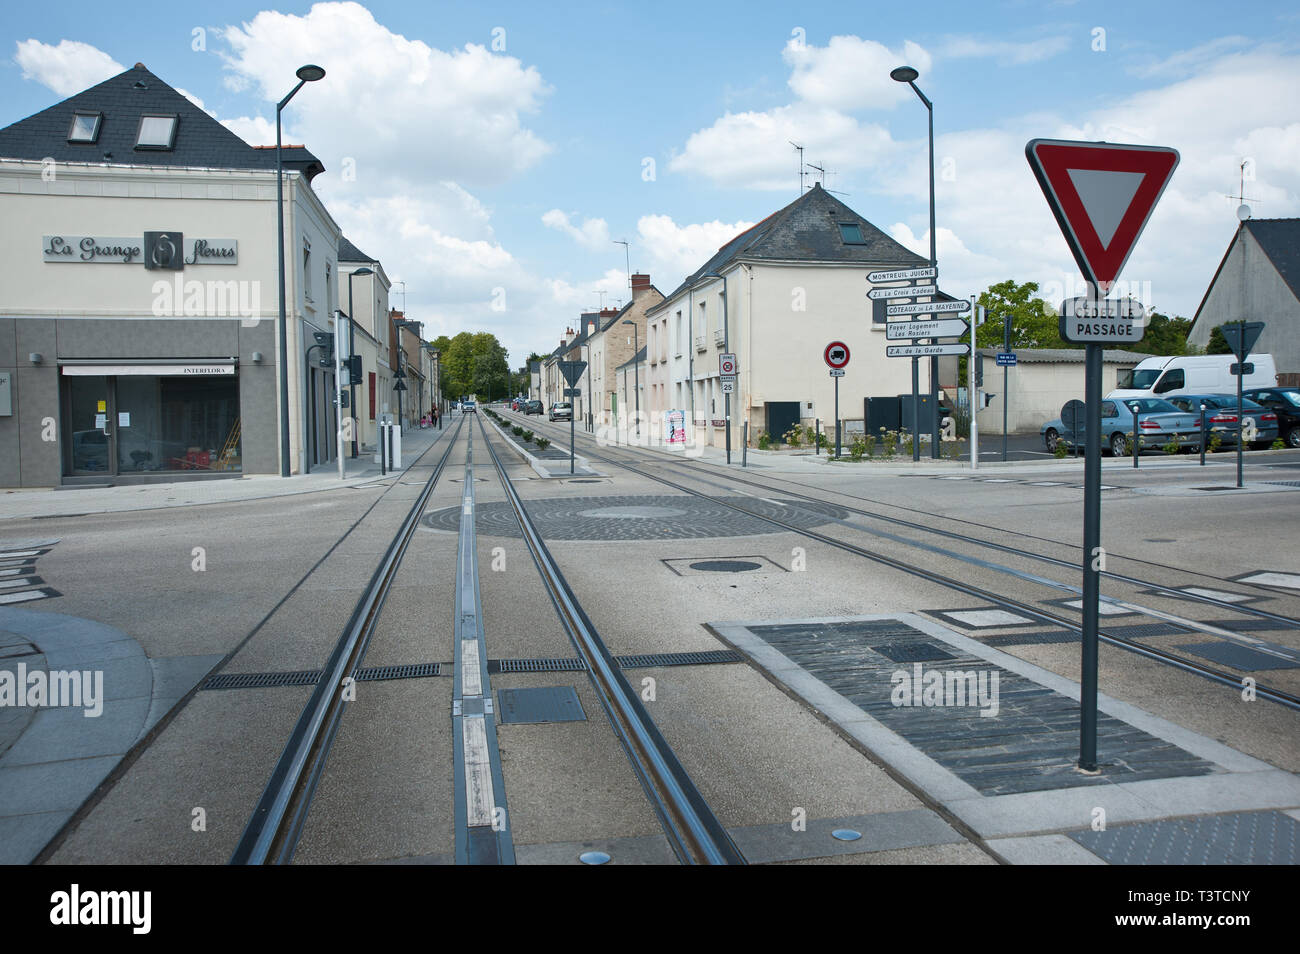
(116, 250)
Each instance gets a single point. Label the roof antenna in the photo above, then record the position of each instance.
(1243, 210)
(823, 178)
(801, 172)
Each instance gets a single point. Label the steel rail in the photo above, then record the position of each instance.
(694, 832)
(272, 832)
(1270, 694)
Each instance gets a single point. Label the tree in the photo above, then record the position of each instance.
(1034, 323)
(1218, 344)
(1163, 335)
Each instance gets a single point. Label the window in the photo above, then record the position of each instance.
(851, 233)
(1172, 379)
(156, 132)
(306, 269)
(85, 127)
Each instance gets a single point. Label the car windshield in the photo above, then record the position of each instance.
(566, 406)
(1143, 378)
(1151, 406)
(1291, 396)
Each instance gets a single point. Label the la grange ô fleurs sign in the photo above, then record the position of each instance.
(155, 250)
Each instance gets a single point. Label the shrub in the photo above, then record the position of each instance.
(764, 442)
(1216, 441)
(541, 442)
(908, 438)
(516, 430)
(793, 436)
(1062, 451)
(527, 435)
(1278, 444)
(857, 448)
(869, 445)
(1172, 446)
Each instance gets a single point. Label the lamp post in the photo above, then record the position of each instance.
(306, 74)
(906, 74)
(636, 371)
(352, 349)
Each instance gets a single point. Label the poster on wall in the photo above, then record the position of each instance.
(675, 427)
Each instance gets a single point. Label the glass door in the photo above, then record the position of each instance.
(90, 437)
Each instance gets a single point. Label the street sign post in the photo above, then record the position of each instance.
(837, 358)
(1005, 359)
(904, 291)
(934, 328)
(1102, 196)
(926, 308)
(903, 274)
(1102, 320)
(727, 365)
(926, 350)
(572, 371)
(728, 385)
(1241, 337)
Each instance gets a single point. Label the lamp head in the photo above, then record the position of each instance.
(310, 73)
(903, 74)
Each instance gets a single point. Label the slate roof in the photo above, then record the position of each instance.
(807, 230)
(1280, 240)
(350, 253)
(200, 140)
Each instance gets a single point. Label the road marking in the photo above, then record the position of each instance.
(478, 772)
(982, 618)
(1290, 581)
(23, 597)
(471, 677)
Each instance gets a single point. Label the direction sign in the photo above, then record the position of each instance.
(1006, 359)
(573, 392)
(726, 365)
(1241, 336)
(903, 274)
(927, 307)
(837, 372)
(1237, 370)
(925, 351)
(572, 370)
(936, 328)
(837, 354)
(728, 385)
(1102, 195)
(1102, 320)
(904, 291)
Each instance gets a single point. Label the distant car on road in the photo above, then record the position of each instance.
(562, 411)
(1158, 423)
(1285, 403)
(1221, 417)
(533, 407)
(468, 406)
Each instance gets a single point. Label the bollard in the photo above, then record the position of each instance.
(817, 436)
(744, 451)
(1202, 435)
(1137, 444)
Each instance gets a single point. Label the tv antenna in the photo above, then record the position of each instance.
(1243, 210)
(628, 256)
(801, 172)
(823, 178)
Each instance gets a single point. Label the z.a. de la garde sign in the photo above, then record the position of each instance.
(155, 250)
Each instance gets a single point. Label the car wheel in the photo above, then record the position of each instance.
(1052, 439)
(1293, 437)
(1118, 445)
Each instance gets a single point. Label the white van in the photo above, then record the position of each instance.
(1199, 374)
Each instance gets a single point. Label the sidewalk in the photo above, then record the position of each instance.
(70, 501)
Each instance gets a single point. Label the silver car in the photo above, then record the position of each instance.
(1221, 417)
(1158, 424)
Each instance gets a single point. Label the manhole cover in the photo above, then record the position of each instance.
(726, 566)
(548, 704)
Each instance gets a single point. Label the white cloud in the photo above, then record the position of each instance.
(254, 130)
(1004, 51)
(851, 73)
(396, 106)
(676, 251)
(67, 68)
(592, 234)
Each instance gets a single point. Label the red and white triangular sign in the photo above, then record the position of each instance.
(1102, 195)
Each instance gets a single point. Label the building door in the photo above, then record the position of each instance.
(90, 437)
(781, 416)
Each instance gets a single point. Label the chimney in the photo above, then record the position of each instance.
(640, 281)
(608, 312)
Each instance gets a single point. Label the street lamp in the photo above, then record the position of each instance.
(352, 349)
(306, 74)
(636, 371)
(906, 74)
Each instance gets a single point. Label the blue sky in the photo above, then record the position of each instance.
(505, 146)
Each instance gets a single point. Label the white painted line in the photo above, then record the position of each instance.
(9, 554)
(988, 618)
(771, 501)
(1103, 609)
(1290, 581)
(1047, 483)
(478, 772)
(13, 572)
(11, 584)
(22, 597)
(471, 679)
(1215, 594)
(997, 480)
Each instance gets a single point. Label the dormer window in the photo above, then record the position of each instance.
(157, 131)
(85, 126)
(851, 233)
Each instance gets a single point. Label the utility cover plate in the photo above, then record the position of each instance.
(532, 706)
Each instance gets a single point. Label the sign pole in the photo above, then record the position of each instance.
(1241, 431)
(837, 413)
(1091, 558)
(971, 397)
(1006, 347)
(916, 409)
(571, 433)
(338, 386)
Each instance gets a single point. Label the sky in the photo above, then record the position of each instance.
(491, 154)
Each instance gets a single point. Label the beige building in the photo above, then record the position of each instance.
(613, 345)
(367, 295)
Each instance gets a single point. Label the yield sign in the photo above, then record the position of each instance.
(1102, 195)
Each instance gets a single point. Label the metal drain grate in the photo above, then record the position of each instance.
(656, 660)
(1283, 483)
(1031, 639)
(1143, 630)
(1238, 657)
(1214, 488)
(912, 652)
(262, 680)
(415, 671)
(553, 664)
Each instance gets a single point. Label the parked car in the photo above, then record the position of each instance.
(563, 411)
(533, 407)
(1167, 377)
(1285, 403)
(1221, 416)
(1158, 423)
